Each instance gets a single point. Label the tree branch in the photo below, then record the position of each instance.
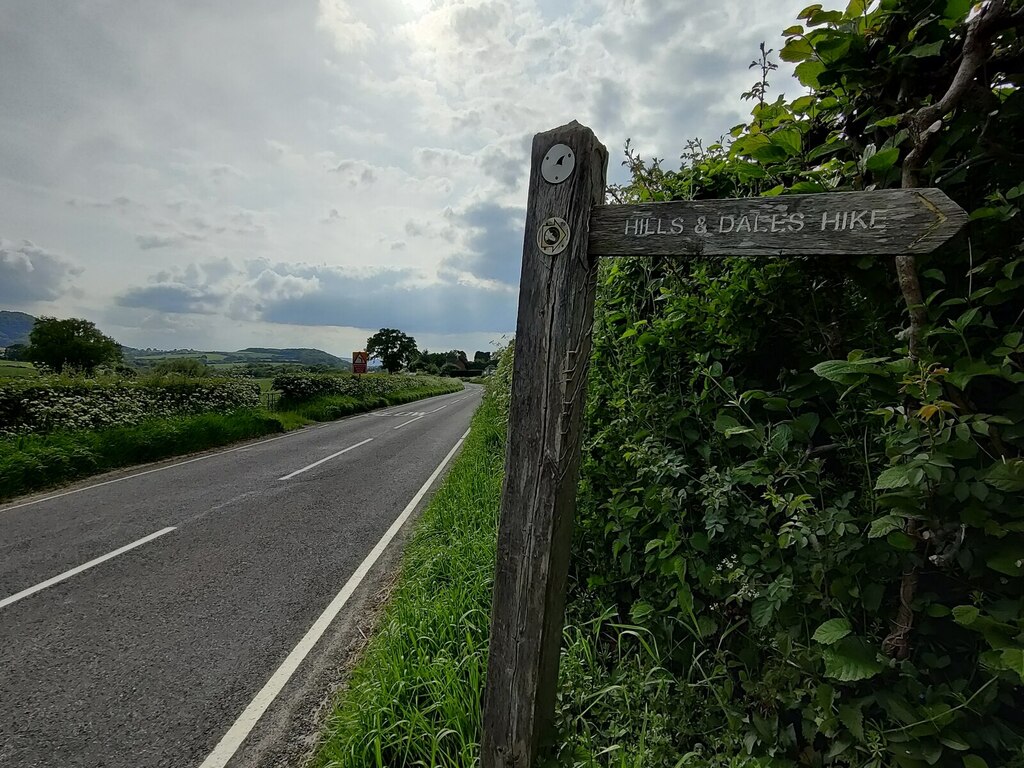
(925, 128)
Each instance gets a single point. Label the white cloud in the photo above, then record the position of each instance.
(344, 145)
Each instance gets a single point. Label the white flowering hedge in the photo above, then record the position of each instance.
(299, 387)
(38, 406)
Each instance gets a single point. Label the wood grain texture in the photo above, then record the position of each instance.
(883, 222)
(553, 336)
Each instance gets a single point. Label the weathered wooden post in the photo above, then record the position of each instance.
(567, 230)
(556, 307)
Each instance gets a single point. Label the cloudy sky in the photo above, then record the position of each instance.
(219, 174)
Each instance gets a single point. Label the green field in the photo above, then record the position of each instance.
(11, 369)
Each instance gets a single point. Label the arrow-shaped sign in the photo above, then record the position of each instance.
(883, 222)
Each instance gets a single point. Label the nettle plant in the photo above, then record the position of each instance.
(805, 477)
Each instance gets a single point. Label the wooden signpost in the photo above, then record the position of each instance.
(567, 229)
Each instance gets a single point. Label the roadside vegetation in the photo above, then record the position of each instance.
(60, 428)
(414, 698)
(800, 541)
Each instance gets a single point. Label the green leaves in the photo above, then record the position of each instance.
(725, 469)
(883, 161)
(965, 615)
(1007, 475)
(884, 525)
(832, 631)
(893, 478)
(851, 660)
(1013, 659)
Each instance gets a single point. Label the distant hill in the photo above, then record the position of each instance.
(15, 327)
(293, 356)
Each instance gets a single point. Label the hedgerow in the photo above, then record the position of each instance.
(42, 406)
(300, 387)
(799, 544)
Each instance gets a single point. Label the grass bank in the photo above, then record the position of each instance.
(414, 698)
(38, 461)
(34, 462)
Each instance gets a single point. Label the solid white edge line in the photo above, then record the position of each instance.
(410, 421)
(328, 458)
(84, 567)
(241, 728)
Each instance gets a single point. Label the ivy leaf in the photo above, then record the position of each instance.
(883, 160)
(832, 631)
(973, 761)
(852, 659)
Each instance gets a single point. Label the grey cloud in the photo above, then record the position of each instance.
(495, 243)
(472, 23)
(356, 172)
(385, 300)
(303, 294)
(153, 240)
(505, 168)
(173, 299)
(120, 202)
(31, 273)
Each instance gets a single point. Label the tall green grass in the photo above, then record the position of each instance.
(414, 698)
(32, 462)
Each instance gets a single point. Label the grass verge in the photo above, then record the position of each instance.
(414, 697)
(35, 462)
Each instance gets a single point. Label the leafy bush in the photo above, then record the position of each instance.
(299, 387)
(65, 403)
(816, 536)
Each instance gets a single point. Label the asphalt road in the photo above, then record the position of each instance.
(149, 657)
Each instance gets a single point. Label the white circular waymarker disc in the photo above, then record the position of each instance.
(558, 164)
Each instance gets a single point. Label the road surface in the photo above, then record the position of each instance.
(145, 616)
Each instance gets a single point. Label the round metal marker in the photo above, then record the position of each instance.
(558, 164)
(553, 236)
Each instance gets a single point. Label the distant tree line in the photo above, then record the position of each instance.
(397, 350)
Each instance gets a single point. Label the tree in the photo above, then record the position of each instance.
(16, 352)
(183, 366)
(71, 343)
(392, 347)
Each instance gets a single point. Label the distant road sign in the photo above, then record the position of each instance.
(359, 361)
